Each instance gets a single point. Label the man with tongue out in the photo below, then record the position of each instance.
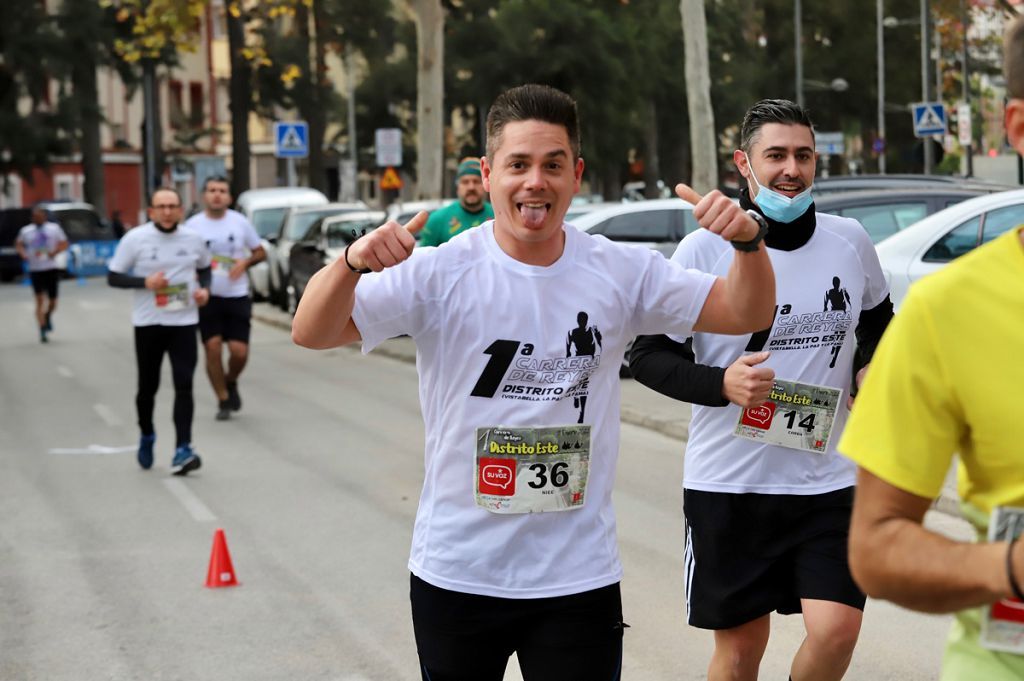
(767, 497)
(514, 548)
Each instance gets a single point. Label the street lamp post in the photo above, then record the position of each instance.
(929, 158)
(966, 89)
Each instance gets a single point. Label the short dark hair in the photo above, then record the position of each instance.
(166, 189)
(771, 111)
(1013, 59)
(216, 178)
(533, 102)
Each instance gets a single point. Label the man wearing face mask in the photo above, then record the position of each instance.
(168, 265)
(767, 497)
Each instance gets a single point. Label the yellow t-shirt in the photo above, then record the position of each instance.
(946, 378)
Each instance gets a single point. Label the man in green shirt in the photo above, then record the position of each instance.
(470, 210)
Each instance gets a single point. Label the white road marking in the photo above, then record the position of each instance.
(93, 449)
(199, 511)
(107, 414)
(64, 371)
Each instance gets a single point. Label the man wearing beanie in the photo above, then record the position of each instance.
(472, 208)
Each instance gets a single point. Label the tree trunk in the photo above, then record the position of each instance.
(240, 93)
(703, 136)
(321, 91)
(429, 17)
(652, 163)
(83, 83)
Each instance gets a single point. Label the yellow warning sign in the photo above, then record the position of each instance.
(390, 179)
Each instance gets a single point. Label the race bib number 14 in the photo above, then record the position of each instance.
(532, 470)
(796, 415)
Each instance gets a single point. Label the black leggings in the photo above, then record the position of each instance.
(179, 342)
(464, 637)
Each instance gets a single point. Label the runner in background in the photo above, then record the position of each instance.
(169, 267)
(235, 247)
(38, 244)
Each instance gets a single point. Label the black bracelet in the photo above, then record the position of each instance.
(1018, 594)
(365, 270)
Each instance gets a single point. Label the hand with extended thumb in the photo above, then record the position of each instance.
(747, 384)
(719, 214)
(386, 246)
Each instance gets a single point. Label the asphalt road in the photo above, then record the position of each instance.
(315, 482)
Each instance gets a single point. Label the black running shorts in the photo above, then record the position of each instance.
(750, 554)
(465, 637)
(228, 318)
(45, 282)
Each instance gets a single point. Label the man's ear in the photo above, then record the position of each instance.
(1014, 121)
(485, 173)
(739, 159)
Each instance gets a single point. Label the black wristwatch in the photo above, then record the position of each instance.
(762, 229)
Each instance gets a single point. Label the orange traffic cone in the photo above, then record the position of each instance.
(221, 572)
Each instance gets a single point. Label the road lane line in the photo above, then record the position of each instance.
(199, 511)
(107, 414)
(65, 372)
(94, 449)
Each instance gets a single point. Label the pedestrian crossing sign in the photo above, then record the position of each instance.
(390, 179)
(291, 139)
(929, 119)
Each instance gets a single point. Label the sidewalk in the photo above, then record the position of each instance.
(641, 406)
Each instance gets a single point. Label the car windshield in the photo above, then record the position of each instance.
(268, 220)
(301, 222)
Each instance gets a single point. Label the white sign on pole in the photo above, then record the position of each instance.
(829, 143)
(389, 146)
(964, 126)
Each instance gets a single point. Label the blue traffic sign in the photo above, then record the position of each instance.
(929, 119)
(291, 139)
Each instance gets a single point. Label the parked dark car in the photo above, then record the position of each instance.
(323, 243)
(885, 212)
(847, 183)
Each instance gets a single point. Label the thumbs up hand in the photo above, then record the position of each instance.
(719, 214)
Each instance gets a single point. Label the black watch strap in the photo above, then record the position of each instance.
(762, 229)
(365, 270)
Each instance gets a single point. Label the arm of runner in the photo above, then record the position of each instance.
(670, 368)
(324, 317)
(258, 254)
(892, 556)
(20, 247)
(62, 246)
(744, 300)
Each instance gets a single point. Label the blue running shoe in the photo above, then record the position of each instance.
(185, 460)
(146, 451)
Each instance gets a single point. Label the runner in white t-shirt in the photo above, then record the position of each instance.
(234, 246)
(514, 547)
(38, 244)
(767, 497)
(169, 267)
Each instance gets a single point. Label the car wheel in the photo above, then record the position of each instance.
(280, 297)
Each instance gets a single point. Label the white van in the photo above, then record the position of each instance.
(265, 209)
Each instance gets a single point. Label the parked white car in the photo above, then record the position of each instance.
(657, 223)
(296, 223)
(942, 237)
(265, 209)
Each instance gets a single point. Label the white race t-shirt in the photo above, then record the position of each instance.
(145, 250)
(40, 241)
(811, 341)
(230, 238)
(489, 325)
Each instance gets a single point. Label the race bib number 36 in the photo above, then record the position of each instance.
(796, 415)
(532, 470)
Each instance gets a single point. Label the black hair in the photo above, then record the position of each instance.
(216, 178)
(771, 111)
(533, 102)
(165, 189)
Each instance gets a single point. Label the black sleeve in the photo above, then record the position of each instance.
(125, 280)
(670, 368)
(870, 327)
(205, 277)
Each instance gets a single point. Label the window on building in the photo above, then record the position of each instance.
(195, 104)
(175, 104)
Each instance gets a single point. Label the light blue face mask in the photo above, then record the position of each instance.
(780, 207)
